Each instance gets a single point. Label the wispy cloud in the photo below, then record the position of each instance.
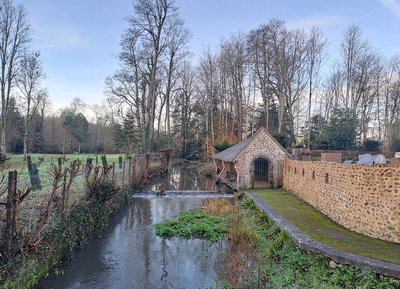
(59, 37)
(392, 5)
(320, 21)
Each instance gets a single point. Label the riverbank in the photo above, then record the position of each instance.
(280, 264)
(86, 220)
(260, 255)
(52, 224)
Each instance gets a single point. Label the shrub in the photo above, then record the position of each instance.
(282, 139)
(222, 146)
(371, 145)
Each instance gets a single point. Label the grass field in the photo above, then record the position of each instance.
(45, 161)
(321, 228)
(16, 162)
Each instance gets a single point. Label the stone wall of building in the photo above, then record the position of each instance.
(262, 146)
(365, 199)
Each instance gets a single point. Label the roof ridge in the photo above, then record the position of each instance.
(232, 153)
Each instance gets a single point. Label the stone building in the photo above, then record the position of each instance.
(256, 162)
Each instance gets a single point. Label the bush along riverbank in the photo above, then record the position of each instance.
(260, 255)
(60, 228)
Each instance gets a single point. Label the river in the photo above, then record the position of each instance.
(130, 255)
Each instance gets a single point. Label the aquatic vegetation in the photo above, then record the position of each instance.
(193, 224)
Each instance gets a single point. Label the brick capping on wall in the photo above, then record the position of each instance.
(365, 199)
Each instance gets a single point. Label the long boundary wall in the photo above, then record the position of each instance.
(365, 199)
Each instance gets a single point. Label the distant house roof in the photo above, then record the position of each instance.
(230, 154)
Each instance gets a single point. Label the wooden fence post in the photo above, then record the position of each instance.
(35, 179)
(59, 160)
(11, 214)
(113, 171)
(104, 161)
(120, 162)
(29, 161)
(63, 194)
(123, 174)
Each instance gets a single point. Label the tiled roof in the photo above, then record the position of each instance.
(230, 154)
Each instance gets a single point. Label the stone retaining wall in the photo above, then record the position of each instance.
(365, 199)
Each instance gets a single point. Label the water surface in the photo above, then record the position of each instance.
(130, 255)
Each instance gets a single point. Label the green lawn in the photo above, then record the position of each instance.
(44, 162)
(319, 227)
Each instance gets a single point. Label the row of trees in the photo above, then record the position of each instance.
(21, 73)
(272, 76)
(64, 132)
(25, 127)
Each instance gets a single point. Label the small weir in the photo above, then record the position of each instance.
(130, 255)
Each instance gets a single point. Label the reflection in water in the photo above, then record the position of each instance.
(184, 176)
(130, 255)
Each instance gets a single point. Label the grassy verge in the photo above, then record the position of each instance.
(321, 228)
(44, 163)
(278, 263)
(260, 255)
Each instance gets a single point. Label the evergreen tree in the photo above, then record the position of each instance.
(341, 132)
(78, 126)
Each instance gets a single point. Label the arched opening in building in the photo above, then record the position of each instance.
(261, 177)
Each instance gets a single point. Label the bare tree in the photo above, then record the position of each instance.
(28, 82)
(127, 88)
(391, 101)
(233, 54)
(208, 80)
(287, 79)
(77, 106)
(259, 55)
(176, 53)
(353, 49)
(152, 21)
(43, 109)
(184, 106)
(15, 32)
(152, 48)
(316, 56)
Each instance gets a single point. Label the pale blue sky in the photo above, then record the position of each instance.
(79, 39)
